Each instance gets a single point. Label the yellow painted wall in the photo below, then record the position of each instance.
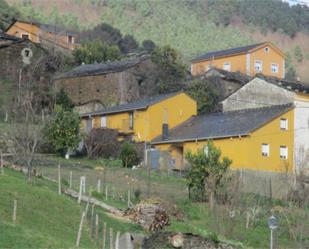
(148, 123)
(238, 62)
(246, 153)
(174, 111)
(20, 28)
(272, 56)
(35, 33)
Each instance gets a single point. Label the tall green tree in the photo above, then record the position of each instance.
(171, 66)
(204, 94)
(207, 170)
(63, 130)
(298, 54)
(63, 100)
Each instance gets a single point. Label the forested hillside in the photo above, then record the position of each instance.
(190, 26)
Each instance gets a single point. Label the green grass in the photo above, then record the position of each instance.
(45, 219)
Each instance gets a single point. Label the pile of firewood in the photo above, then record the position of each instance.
(150, 215)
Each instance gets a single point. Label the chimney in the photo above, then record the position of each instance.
(164, 132)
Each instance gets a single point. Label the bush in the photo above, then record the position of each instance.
(128, 155)
(102, 142)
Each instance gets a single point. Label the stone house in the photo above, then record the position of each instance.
(96, 86)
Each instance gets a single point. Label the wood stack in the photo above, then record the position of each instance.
(151, 216)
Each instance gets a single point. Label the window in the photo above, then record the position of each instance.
(283, 124)
(266, 49)
(131, 120)
(227, 66)
(258, 66)
(103, 121)
(283, 152)
(274, 68)
(70, 39)
(265, 150)
(24, 36)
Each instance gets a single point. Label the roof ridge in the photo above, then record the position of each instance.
(261, 108)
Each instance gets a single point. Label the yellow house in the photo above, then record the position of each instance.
(42, 33)
(145, 119)
(257, 139)
(263, 58)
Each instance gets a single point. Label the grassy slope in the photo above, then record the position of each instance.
(44, 220)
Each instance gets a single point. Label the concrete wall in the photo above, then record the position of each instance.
(301, 134)
(257, 93)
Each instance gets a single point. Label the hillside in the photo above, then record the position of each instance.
(189, 25)
(44, 219)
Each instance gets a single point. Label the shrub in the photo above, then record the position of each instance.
(128, 155)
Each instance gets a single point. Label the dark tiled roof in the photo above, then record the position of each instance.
(225, 52)
(224, 124)
(4, 36)
(45, 27)
(136, 105)
(102, 68)
(294, 86)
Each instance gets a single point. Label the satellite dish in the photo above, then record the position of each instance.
(27, 54)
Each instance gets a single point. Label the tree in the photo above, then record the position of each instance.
(128, 155)
(298, 54)
(62, 130)
(96, 52)
(148, 45)
(63, 100)
(172, 69)
(207, 170)
(204, 94)
(128, 44)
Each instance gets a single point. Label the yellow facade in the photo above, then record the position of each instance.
(246, 152)
(35, 34)
(267, 54)
(147, 124)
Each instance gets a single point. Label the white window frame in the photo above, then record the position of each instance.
(228, 64)
(284, 152)
(276, 65)
(104, 121)
(265, 150)
(284, 124)
(261, 66)
(267, 49)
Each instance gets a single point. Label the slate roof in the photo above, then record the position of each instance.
(226, 52)
(102, 68)
(224, 124)
(45, 27)
(4, 36)
(136, 105)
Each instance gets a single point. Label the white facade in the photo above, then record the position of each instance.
(301, 134)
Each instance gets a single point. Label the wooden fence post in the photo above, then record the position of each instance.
(97, 227)
(59, 180)
(111, 238)
(80, 189)
(84, 184)
(71, 179)
(80, 229)
(14, 211)
(129, 198)
(104, 236)
(117, 240)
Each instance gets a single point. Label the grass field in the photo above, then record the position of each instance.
(294, 222)
(44, 219)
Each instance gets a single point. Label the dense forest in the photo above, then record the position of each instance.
(190, 26)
